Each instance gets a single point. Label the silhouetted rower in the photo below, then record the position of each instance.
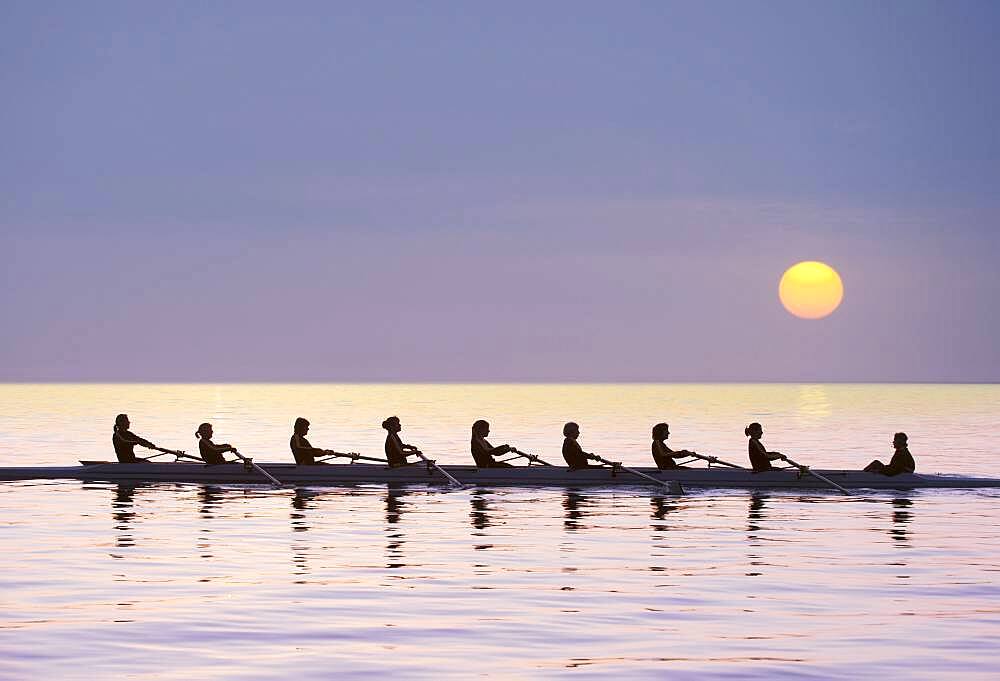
(305, 454)
(395, 451)
(901, 462)
(124, 441)
(760, 458)
(662, 454)
(482, 451)
(571, 450)
(211, 453)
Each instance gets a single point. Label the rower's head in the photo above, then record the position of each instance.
(301, 426)
(122, 422)
(899, 441)
(754, 430)
(571, 430)
(480, 428)
(204, 431)
(661, 431)
(392, 424)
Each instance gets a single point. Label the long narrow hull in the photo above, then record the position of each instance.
(549, 476)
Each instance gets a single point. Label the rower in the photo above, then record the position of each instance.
(482, 451)
(211, 453)
(571, 450)
(760, 458)
(662, 454)
(901, 462)
(395, 451)
(124, 441)
(305, 454)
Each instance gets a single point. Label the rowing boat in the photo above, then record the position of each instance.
(523, 476)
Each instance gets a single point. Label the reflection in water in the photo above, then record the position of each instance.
(661, 506)
(123, 514)
(301, 503)
(210, 496)
(480, 513)
(756, 515)
(394, 507)
(814, 402)
(480, 516)
(574, 501)
(758, 503)
(901, 517)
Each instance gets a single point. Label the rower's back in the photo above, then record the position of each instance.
(573, 454)
(394, 450)
(124, 442)
(758, 456)
(301, 450)
(481, 452)
(663, 457)
(209, 452)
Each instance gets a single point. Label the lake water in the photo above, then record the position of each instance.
(209, 582)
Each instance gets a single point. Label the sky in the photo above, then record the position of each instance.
(521, 191)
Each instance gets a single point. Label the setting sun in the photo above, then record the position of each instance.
(811, 290)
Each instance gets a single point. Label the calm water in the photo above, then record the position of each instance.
(203, 582)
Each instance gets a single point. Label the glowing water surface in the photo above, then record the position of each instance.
(189, 581)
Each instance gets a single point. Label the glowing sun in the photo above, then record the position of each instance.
(810, 289)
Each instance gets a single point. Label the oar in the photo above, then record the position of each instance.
(806, 469)
(614, 464)
(713, 459)
(434, 465)
(530, 457)
(175, 452)
(260, 470)
(353, 456)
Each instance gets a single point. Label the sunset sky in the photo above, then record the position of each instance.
(521, 191)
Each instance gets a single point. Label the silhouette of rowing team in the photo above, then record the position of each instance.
(483, 453)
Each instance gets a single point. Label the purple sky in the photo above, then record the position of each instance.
(525, 191)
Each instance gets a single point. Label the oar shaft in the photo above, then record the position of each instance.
(352, 456)
(274, 480)
(640, 474)
(178, 454)
(446, 474)
(823, 478)
(529, 457)
(715, 459)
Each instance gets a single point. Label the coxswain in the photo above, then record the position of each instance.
(571, 450)
(662, 454)
(395, 451)
(482, 451)
(211, 453)
(760, 458)
(124, 441)
(901, 462)
(305, 454)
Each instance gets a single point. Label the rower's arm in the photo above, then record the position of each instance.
(136, 440)
(222, 449)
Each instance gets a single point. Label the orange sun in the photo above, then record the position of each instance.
(811, 290)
